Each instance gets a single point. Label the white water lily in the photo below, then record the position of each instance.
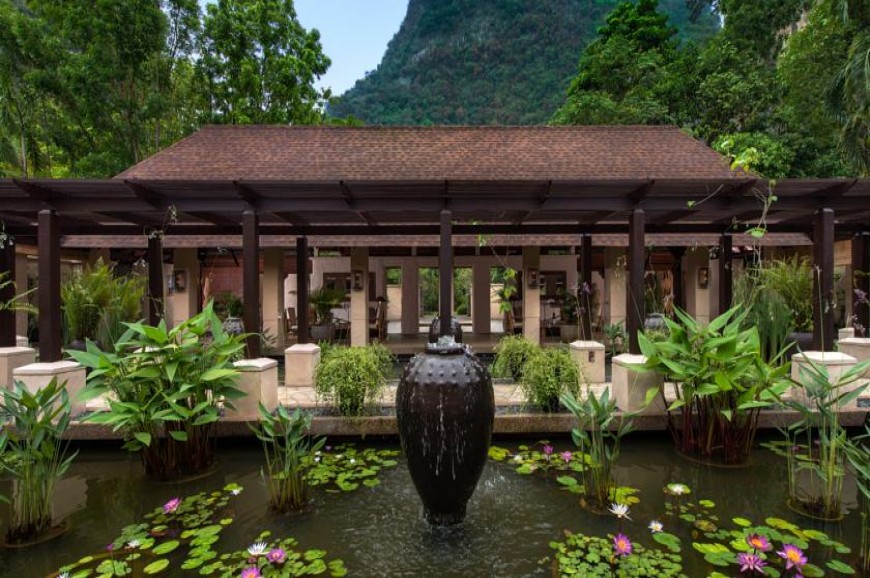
(678, 489)
(133, 544)
(619, 510)
(63, 575)
(656, 526)
(257, 548)
(518, 458)
(352, 461)
(236, 491)
(316, 458)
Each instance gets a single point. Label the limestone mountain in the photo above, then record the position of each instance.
(487, 61)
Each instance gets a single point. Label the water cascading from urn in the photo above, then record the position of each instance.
(445, 409)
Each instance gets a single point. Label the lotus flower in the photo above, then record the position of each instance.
(750, 563)
(566, 456)
(276, 556)
(548, 451)
(759, 542)
(251, 572)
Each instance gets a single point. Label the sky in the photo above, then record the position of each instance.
(354, 34)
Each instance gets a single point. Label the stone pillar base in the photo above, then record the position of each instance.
(12, 358)
(589, 357)
(259, 380)
(836, 364)
(300, 361)
(21, 341)
(857, 347)
(629, 387)
(845, 333)
(69, 373)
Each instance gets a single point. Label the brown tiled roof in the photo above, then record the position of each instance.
(322, 153)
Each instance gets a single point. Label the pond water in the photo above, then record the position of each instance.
(380, 532)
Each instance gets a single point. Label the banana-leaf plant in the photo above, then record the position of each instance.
(720, 381)
(167, 388)
(34, 455)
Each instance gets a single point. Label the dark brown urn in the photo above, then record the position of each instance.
(445, 409)
(455, 330)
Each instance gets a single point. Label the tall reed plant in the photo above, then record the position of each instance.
(549, 374)
(600, 429)
(34, 455)
(816, 446)
(353, 378)
(289, 449)
(511, 354)
(858, 453)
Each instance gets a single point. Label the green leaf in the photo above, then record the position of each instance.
(840, 567)
(143, 437)
(166, 547)
(156, 566)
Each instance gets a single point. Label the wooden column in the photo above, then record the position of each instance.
(49, 287)
(679, 282)
(635, 312)
(251, 281)
(7, 293)
(861, 283)
(585, 293)
(302, 333)
(823, 281)
(726, 284)
(445, 272)
(155, 280)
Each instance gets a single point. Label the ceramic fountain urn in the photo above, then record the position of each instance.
(445, 409)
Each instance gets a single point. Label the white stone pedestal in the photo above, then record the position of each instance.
(589, 357)
(69, 373)
(259, 380)
(629, 386)
(300, 361)
(857, 347)
(836, 364)
(21, 341)
(845, 333)
(12, 358)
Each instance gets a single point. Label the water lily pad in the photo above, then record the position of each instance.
(156, 567)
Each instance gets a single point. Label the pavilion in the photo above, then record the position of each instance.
(393, 193)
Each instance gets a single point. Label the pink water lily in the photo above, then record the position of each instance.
(750, 563)
(251, 573)
(566, 456)
(171, 506)
(622, 545)
(793, 556)
(276, 556)
(548, 450)
(758, 542)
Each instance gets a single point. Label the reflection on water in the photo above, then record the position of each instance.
(380, 531)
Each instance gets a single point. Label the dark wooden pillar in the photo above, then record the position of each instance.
(155, 279)
(726, 281)
(7, 293)
(861, 284)
(49, 287)
(634, 296)
(823, 280)
(445, 272)
(585, 293)
(679, 282)
(251, 281)
(302, 333)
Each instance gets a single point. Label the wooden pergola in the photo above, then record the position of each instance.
(43, 212)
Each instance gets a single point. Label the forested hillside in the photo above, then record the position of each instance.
(487, 61)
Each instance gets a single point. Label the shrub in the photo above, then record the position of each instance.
(511, 354)
(353, 378)
(549, 374)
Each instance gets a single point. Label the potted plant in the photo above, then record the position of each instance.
(511, 354)
(35, 456)
(569, 328)
(353, 378)
(233, 309)
(322, 302)
(721, 382)
(167, 387)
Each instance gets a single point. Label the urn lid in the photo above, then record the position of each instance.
(445, 345)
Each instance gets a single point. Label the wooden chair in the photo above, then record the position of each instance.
(291, 324)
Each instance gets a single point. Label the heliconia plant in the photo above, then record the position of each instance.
(35, 455)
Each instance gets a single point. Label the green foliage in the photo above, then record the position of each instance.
(816, 446)
(18, 302)
(168, 386)
(353, 379)
(182, 537)
(286, 444)
(792, 280)
(511, 354)
(595, 439)
(96, 303)
(767, 311)
(486, 62)
(859, 456)
(548, 374)
(345, 468)
(323, 301)
(259, 64)
(582, 555)
(616, 337)
(721, 382)
(34, 454)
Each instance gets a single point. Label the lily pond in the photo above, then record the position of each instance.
(365, 520)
